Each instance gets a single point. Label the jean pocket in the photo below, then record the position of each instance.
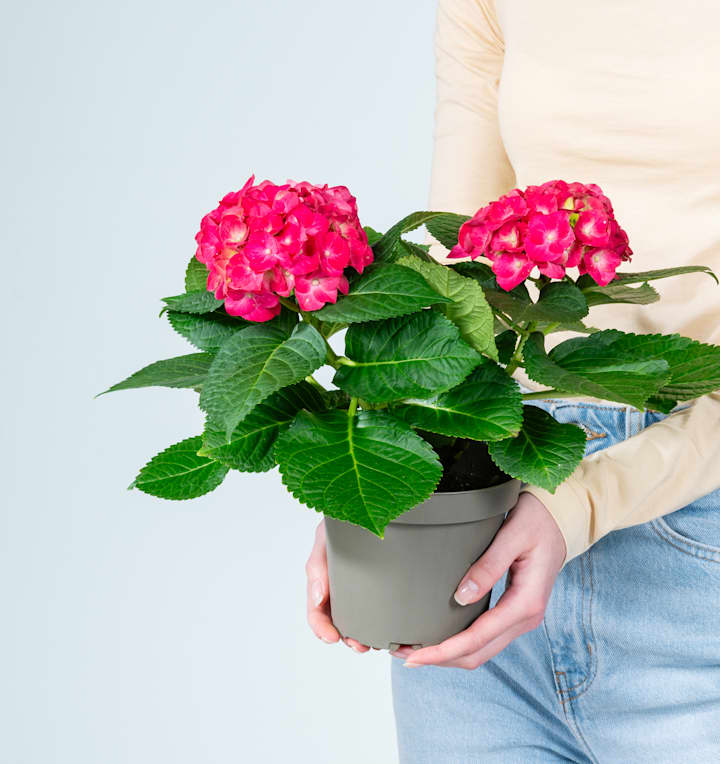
(694, 529)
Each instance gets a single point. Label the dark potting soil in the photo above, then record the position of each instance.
(466, 464)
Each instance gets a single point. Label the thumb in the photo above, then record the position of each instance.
(489, 568)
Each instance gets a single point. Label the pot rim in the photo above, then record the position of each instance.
(450, 507)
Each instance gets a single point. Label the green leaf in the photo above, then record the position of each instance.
(594, 366)
(367, 469)
(196, 276)
(207, 331)
(506, 343)
(199, 301)
(182, 371)
(642, 295)
(694, 367)
(544, 452)
(372, 234)
(384, 291)
(179, 473)
(385, 248)
(663, 273)
(410, 356)
(664, 405)
(445, 228)
(486, 406)
(254, 363)
(410, 248)
(566, 326)
(558, 301)
(480, 271)
(251, 445)
(469, 310)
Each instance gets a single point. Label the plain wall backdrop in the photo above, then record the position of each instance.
(135, 630)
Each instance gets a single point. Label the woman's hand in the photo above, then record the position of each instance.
(318, 590)
(530, 545)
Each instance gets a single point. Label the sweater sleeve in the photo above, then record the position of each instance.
(662, 469)
(470, 166)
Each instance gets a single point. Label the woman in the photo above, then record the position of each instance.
(604, 644)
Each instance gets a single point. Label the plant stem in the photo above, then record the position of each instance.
(516, 359)
(352, 408)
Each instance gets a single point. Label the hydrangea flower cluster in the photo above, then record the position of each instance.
(266, 241)
(553, 227)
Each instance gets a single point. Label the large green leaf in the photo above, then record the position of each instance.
(468, 309)
(179, 473)
(254, 363)
(445, 228)
(251, 445)
(663, 273)
(182, 371)
(207, 331)
(196, 275)
(410, 356)
(543, 453)
(595, 366)
(383, 291)
(485, 406)
(385, 248)
(619, 292)
(366, 469)
(694, 367)
(198, 301)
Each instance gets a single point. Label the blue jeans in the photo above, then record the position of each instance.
(625, 667)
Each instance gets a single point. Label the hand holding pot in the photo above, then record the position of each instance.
(318, 588)
(531, 548)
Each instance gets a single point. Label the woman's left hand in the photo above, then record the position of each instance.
(530, 546)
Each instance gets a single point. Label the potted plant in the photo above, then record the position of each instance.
(418, 452)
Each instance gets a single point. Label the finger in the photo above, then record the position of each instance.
(477, 659)
(318, 606)
(521, 607)
(489, 568)
(358, 647)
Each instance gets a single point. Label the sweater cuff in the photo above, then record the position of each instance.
(569, 512)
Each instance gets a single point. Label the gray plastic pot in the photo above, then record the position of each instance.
(399, 590)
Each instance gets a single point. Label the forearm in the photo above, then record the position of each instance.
(665, 467)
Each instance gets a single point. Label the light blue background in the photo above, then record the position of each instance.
(134, 630)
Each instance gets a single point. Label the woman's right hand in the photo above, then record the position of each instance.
(318, 599)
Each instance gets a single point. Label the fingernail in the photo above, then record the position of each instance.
(467, 593)
(407, 664)
(317, 592)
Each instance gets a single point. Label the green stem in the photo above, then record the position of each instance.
(551, 327)
(516, 359)
(352, 408)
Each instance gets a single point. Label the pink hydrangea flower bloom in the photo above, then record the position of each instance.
(601, 264)
(593, 228)
(316, 289)
(268, 241)
(253, 306)
(511, 269)
(548, 236)
(552, 227)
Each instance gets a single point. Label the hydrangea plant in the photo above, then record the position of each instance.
(425, 378)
